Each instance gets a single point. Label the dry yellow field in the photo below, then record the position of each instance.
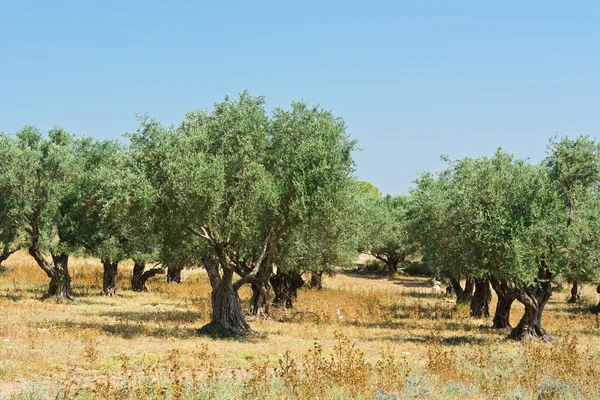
(361, 337)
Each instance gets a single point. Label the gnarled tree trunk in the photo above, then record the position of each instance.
(260, 301)
(480, 302)
(575, 292)
(316, 280)
(463, 295)
(505, 300)
(286, 285)
(534, 299)
(391, 261)
(139, 277)
(60, 280)
(57, 271)
(173, 275)
(227, 318)
(110, 277)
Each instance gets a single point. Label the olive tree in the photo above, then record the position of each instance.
(226, 187)
(386, 233)
(39, 174)
(433, 225)
(11, 233)
(99, 212)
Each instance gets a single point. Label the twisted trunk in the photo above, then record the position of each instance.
(60, 280)
(173, 275)
(260, 301)
(391, 262)
(286, 285)
(110, 277)
(463, 295)
(227, 318)
(57, 271)
(534, 299)
(139, 277)
(480, 302)
(316, 280)
(505, 300)
(575, 292)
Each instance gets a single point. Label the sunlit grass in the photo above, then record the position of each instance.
(359, 338)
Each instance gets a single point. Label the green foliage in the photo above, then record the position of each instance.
(230, 183)
(509, 219)
(385, 227)
(418, 268)
(39, 176)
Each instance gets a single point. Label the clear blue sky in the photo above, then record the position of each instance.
(413, 80)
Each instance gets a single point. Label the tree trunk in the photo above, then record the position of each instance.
(534, 300)
(136, 278)
(173, 275)
(260, 301)
(60, 280)
(316, 280)
(480, 302)
(575, 292)
(503, 306)
(227, 318)
(392, 265)
(462, 295)
(286, 285)
(139, 277)
(110, 277)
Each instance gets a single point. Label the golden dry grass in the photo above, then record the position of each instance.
(359, 338)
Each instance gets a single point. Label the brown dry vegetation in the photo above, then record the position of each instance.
(360, 338)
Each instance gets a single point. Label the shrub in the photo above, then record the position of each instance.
(417, 268)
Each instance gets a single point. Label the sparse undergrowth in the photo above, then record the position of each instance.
(359, 338)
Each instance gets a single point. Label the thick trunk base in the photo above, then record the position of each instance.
(259, 303)
(392, 267)
(60, 281)
(530, 325)
(110, 277)
(506, 298)
(502, 313)
(463, 295)
(530, 329)
(227, 319)
(139, 277)
(316, 280)
(480, 302)
(137, 284)
(575, 292)
(173, 275)
(285, 286)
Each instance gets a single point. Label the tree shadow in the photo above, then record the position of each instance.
(11, 297)
(412, 283)
(161, 316)
(582, 308)
(457, 340)
(356, 273)
(133, 331)
(425, 295)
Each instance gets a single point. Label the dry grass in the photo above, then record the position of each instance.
(360, 338)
